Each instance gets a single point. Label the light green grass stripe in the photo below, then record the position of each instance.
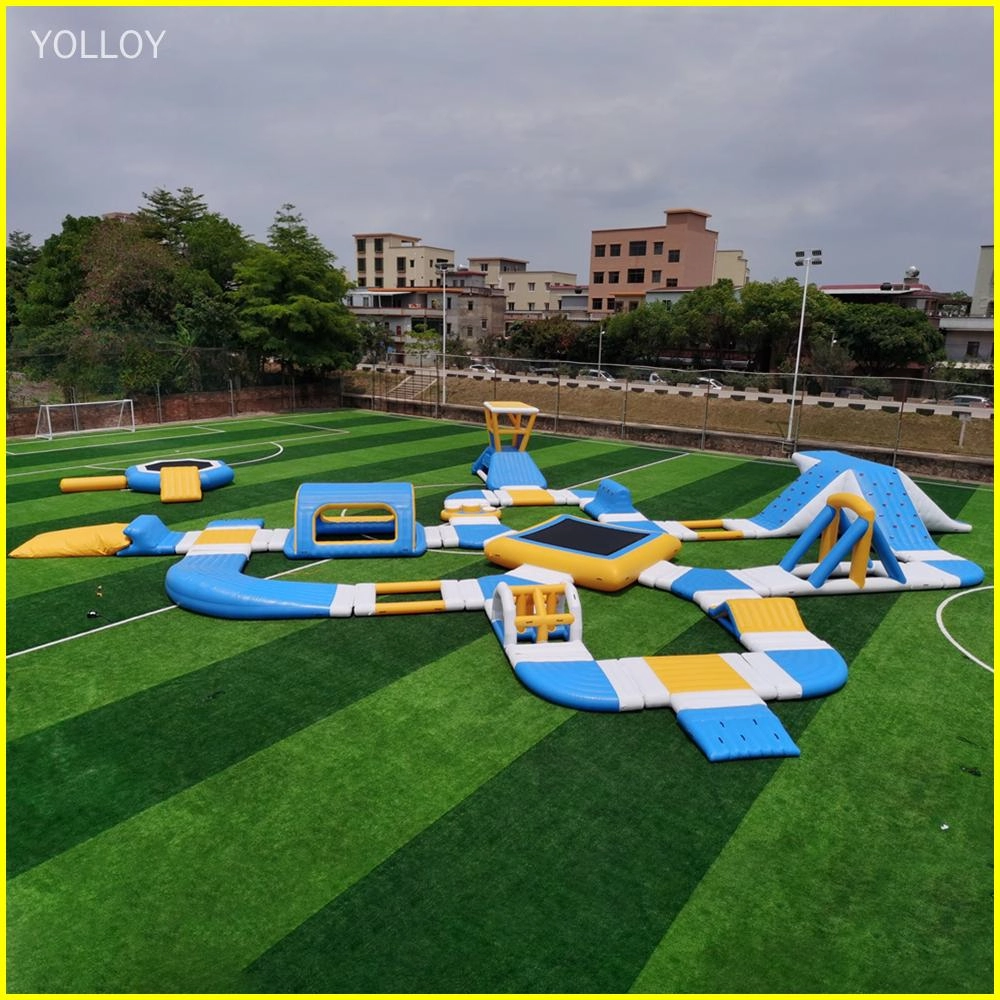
(96, 669)
(183, 896)
(845, 840)
(74, 677)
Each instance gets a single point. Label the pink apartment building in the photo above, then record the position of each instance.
(625, 264)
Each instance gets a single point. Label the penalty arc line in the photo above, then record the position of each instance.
(947, 634)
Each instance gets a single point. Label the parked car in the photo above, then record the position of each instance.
(970, 401)
(488, 369)
(653, 377)
(598, 373)
(711, 383)
(853, 392)
(547, 372)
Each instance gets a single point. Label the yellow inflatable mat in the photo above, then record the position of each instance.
(96, 540)
(180, 484)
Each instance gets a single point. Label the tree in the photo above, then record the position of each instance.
(549, 338)
(770, 317)
(165, 216)
(22, 255)
(129, 283)
(291, 299)
(56, 278)
(886, 336)
(709, 318)
(642, 335)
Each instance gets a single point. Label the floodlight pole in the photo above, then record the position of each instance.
(801, 260)
(443, 267)
(600, 344)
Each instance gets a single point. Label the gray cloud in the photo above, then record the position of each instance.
(864, 131)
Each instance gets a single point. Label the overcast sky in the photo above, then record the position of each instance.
(515, 131)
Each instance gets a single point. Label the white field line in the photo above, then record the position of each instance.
(263, 458)
(625, 472)
(940, 621)
(311, 427)
(42, 473)
(87, 445)
(136, 618)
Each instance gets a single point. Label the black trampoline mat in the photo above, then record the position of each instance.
(588, 537)
(174, 463)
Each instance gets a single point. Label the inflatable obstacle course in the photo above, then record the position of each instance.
(869, 525)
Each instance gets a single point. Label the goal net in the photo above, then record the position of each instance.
(79, 418)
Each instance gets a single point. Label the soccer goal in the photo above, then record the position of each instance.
(79, 418)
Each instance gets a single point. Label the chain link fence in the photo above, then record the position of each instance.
(721, 409)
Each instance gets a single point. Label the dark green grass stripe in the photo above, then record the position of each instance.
(618, 818)
(720, 493)
(188, 892)
(133, 587)
(64, 511)
(569, 898)
(86, 774)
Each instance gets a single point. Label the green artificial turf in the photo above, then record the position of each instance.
(358, 805)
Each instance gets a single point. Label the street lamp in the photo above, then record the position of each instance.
(801, 259)
(600, 343)
(443, 267)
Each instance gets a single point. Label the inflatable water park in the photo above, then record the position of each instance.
(866, 526)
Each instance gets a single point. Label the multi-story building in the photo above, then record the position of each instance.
(626, 263)
(968, 340)
(732, 264)
(392, 260)
(910, 293)
(982, 294)
(529, 294)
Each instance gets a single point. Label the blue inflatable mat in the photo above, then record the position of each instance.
(573, 683)
(737, 732)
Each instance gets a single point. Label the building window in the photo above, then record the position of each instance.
(612, 306)
(636, 275)
(361, 246)
(597, 304)
(471, 305)
(632, 306)
(613, 277)
(656, 277)
(510, 286)
(598, 277)
(401, 264)
(482, 323)
(972, 349)
(510, 307)
(361, 265)
(637, 248)
(599, 249)
(673, 256)
(484, 267)
(531, 286)
(378, 265)
(378, 245)
(379, 283)
(671, 282)
(531, 307)
(412, 262)
(616, 249)
(658, 248)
